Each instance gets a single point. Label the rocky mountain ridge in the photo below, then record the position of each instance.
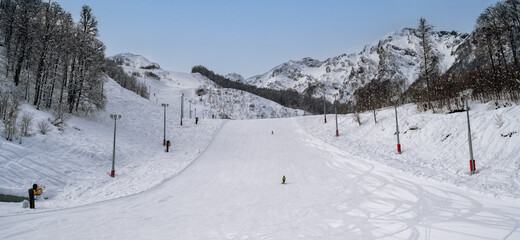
(396, 57)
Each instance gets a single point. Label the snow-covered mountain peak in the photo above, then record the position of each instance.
(395, 57)
(235, 77)
(134, 60)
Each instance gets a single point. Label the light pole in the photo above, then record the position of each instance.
(472, 166)
(182, 107)
(336, 112)
(395, 99)
(324, 108)
(164, 136)
(190, 108)
(115, 117)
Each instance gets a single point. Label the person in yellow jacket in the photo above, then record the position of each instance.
(283, 179)
(37, 190)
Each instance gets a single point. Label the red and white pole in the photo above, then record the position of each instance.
(395, 99)
(472, 166)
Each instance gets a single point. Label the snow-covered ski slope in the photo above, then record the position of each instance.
(74, 163)
(217, 101)
(435, 146)
(222, 178)
(75, 160)
(233, 190)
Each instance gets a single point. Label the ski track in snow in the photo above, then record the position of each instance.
(233, 191)
(222, 178)
(435, 146)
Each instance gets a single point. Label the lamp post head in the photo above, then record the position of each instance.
(395, 98)
(115, 116)
(164, 104)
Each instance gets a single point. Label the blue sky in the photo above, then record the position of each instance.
(250, 37)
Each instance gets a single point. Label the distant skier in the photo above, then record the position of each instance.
(283, 179)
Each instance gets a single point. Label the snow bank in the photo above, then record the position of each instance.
(435, 146)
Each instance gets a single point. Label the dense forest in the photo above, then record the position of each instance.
(53, 62)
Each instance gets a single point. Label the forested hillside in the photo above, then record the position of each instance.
(288, 98)
(53, 62)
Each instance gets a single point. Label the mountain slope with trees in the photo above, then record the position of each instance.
(420, 65)
(56, 64)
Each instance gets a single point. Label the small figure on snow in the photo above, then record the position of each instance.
(37, 189)
(283, 179)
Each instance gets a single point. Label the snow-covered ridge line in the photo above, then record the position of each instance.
(209, 98)
(395, 56)
(134, 61)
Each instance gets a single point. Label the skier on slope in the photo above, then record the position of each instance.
(283, 179)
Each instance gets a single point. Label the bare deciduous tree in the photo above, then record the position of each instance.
(43, 127)
(25, 124)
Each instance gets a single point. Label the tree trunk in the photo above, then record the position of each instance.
(39, 79)
(513, 45)
(19, 62)
(49, 103)
(72, 86)
(64, 79)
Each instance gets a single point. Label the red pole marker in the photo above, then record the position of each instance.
(472, 166)
(164, 142)
(398, 148)
(337, 133)
(181, 123)
(113, 173)
(325, 120)
(272, 132)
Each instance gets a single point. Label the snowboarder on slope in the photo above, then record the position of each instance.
(283, 179)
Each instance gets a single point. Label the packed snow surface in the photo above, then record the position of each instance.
(74, 160)
(222, 178)
(435, 146)
(233, 190)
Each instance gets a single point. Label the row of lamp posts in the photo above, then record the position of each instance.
(118, 117)
(394, 99)
(465, 95)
